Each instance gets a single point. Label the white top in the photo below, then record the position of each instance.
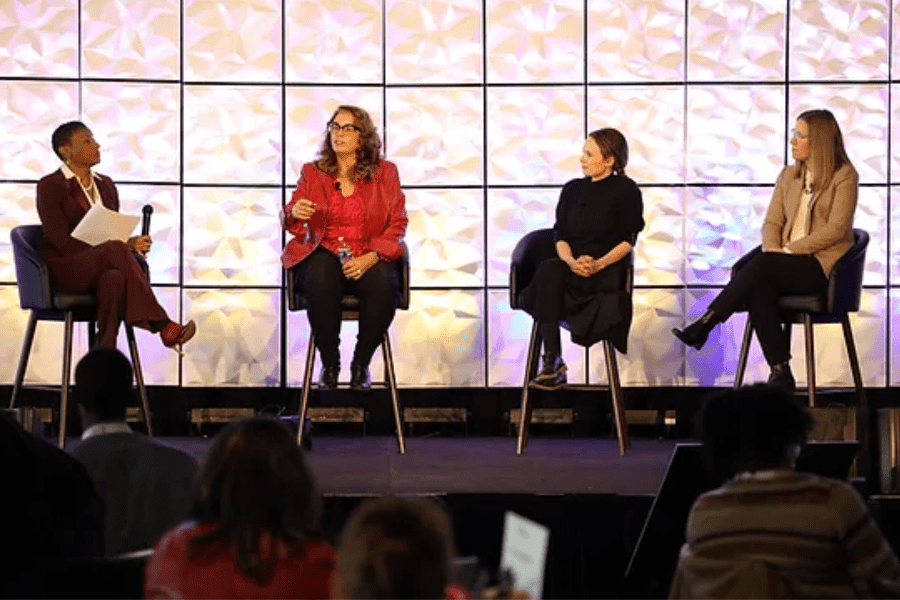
(800, 228)
(92, 193)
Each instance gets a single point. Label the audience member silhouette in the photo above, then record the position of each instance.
(255, 531)
(145, 485)
(395, 548)
(769, 531)
(51, 512)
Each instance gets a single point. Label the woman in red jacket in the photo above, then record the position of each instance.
(255, 532)
(348, 218)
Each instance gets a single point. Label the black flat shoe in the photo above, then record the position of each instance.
(360, 380)
(552, 375)
(328, 377)
(781, 376)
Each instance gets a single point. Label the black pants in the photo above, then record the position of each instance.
(322, 279)
(758, 286)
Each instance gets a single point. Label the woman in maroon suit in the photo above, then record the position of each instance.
(348, 218)
(109, 270)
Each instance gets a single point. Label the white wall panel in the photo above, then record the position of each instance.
(635, 40)
(39, 38)
(137, 39)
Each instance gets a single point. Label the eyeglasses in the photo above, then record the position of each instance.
(335, 127)
(795, 135)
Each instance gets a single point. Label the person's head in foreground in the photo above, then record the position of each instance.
(753, 428)
(395, 548)
(255, 485)
(103, 380)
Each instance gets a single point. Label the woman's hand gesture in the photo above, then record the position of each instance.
(303, 209)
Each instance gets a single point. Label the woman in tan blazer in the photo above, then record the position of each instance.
(808, 226)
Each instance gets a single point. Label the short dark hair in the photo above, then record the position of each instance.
(396, 548)
(103, 381)
(612, 143)
(255, 479)
(63, 135)
(751, 428)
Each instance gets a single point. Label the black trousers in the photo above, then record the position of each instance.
(758, 286)
(323, 282)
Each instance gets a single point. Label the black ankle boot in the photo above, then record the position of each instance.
(552, 375)
(328, 376)
(360, 380)
(696, 334)
(781, 376)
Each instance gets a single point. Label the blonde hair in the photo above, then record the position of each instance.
(826, 148)
(368, 154)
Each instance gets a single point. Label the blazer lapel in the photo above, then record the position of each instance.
(105, 194)
(791, 204)
(77, 194)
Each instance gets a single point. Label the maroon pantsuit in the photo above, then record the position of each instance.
(109, 270)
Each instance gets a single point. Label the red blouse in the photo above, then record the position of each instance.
(346, 218)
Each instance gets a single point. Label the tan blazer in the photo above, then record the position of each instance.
(830, 222)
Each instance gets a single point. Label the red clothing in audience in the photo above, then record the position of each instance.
(171, 574)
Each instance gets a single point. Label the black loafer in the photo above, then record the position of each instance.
(360, 380)
(781, 376)
(328, 377)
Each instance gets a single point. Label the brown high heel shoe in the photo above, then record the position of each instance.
(174, 335)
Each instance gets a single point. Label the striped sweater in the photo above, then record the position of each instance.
(780, 534)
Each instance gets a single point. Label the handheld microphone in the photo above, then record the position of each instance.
(145, 222)
(337, 185)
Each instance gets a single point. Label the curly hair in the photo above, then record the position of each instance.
(751, 428)
(368, 154)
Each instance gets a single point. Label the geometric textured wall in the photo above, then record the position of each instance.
(207, 110)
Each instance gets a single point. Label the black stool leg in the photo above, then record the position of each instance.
(307, 380)
(66, 376)
(742, 357)
(530, 372)
(854, 360)
(139, 377)
(392, 384)
(23, 358)
(810, 359)
(615, 389)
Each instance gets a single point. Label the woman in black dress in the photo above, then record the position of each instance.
(597, 221)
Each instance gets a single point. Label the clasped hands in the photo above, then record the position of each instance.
(140, 244)
(585, 266)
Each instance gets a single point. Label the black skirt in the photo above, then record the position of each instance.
(592, 308)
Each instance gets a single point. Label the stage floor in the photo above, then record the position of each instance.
(465, 465)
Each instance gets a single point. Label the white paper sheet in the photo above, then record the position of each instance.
(525, 553)
(100, 224)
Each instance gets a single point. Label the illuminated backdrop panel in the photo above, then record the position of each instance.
(207, 110)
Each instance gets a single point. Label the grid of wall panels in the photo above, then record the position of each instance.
(208, 110)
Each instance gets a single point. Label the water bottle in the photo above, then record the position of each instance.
(344, 253)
